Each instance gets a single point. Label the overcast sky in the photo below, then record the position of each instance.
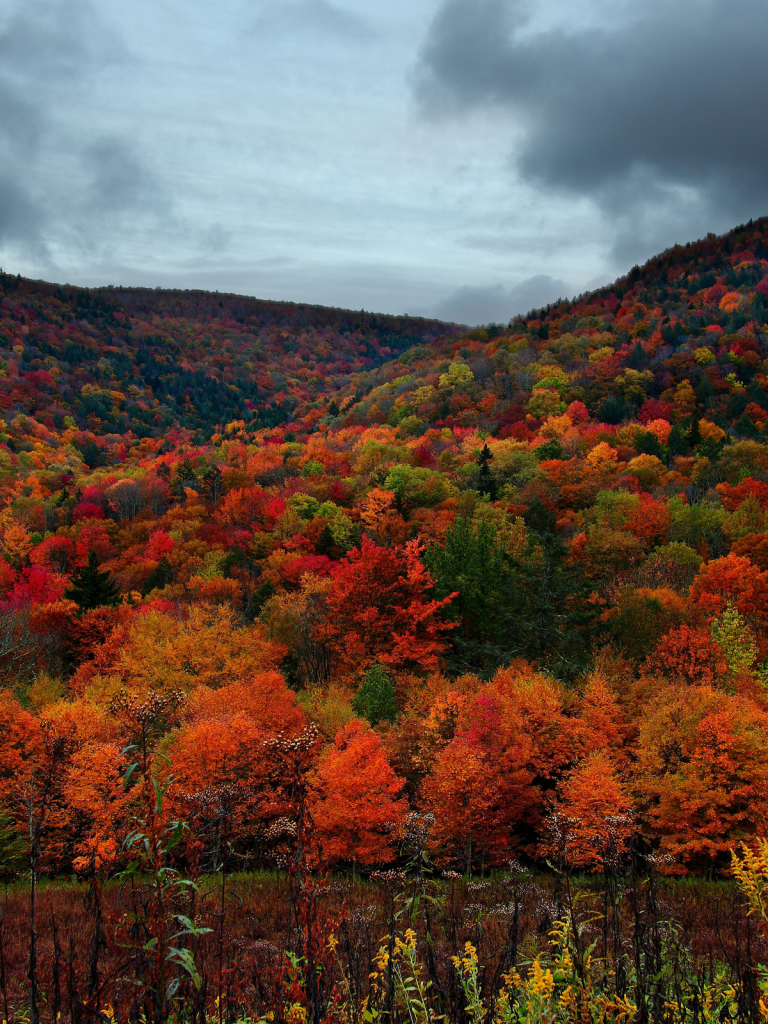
(462, 158)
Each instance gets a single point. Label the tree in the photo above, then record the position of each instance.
(735, 580)
(753, 546)
(689, 655)
(356, 798)
(534, 606)
(593, 821)
(203, 645)
(702, 774)
(91, 588)
(375, 700)
(160, 577)
(486, 484)
(487, 786)
(378, 609)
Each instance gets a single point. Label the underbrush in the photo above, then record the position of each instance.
(513, 947)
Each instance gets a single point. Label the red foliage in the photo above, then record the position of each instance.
(654, 409)
(690, 655)
(87, 510)
(379, 610)
(36, 584)
(733, 497)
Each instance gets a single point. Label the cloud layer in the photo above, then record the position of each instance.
(274, 147)
(61, 180)
(495, 303)
(661, 114)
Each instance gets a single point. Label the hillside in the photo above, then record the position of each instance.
(396, 520)
(360, 591)
(144, 360)
(695, 313)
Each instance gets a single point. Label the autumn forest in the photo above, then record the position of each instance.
(362, 668)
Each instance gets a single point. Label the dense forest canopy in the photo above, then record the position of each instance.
(485, 566)
(295, 587)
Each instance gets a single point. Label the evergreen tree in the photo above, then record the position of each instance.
(91, 588)
(14, 849)
(486, 483)
(375, 700)
(535, 607)
(160, 577)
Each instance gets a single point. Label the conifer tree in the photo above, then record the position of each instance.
(375, 700)
(91, 588)
(486, 482)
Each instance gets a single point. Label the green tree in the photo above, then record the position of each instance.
(375, 700)
(91, 588)
(14, 848)
(160, 577)
(486, 483)
(534, 607)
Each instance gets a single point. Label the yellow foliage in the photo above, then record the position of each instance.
(206, 647)
(602, 458)
(556, 426)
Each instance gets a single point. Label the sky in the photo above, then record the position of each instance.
(465, 159)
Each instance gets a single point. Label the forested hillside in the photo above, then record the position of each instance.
(336, 571)
(144, 360)
(499, 572)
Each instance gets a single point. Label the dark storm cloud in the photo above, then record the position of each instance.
(119, 180)
(494, 303)
(50, 50)
(663, 115)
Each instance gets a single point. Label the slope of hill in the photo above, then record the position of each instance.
(148, 360)
(697, 313)
(501, 573)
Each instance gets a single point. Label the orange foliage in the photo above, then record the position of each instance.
(702, 773)
(733, 497)
(689, 655)
(754, 547)
(733, 578)
(594, 819)
(355, 798)
(486, 787)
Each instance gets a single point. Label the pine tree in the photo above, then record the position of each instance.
(160, 577)
(375, 700)
(91, 588)
(486, 482)
(534, 607)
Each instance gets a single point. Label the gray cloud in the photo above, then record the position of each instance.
(310, 17)
(20, 219)
(662, 118)
(495, 303)
(59, 179)
(118, 180)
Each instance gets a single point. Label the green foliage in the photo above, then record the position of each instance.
(640, 624)
(160, 577)
(416, 487)
(737, 640)
(551, 449)
(486, 483)
(702, 521)
(534, 607)
(458, 375)
(91, 588)
(375, 700)
(14, 849)
(678, 553)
